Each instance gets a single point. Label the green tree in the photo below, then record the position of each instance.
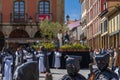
(50, 29)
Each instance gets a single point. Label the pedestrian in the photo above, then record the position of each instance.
(27, 71)
(41, 55)
(103, 51)
(91, 55)
(29, 57)
(73, 67)
(19, 56)
(97, 52)
(111, 53)
(8, 62)
(117, 59)
(56, 59)
(103, 72)
(46, 58)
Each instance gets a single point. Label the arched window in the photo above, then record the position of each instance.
(44, 7)
(19, 11)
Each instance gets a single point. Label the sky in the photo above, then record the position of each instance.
(73, 9)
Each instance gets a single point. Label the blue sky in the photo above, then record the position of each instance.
(73, 9)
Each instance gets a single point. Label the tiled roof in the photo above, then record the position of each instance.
(73, 24)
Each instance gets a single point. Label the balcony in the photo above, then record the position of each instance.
(42, 17)
(103, 13)
(18, 17)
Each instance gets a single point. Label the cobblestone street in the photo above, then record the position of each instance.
(58, 73)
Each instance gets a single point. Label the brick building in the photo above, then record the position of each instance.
(100, 22)
(91, 22)
(19, 19)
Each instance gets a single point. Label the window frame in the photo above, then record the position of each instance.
(18, 6)
(46, 10)
(19, 13)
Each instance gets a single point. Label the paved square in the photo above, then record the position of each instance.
(58, 73)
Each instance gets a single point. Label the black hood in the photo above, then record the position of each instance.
(102, 61)
(73, 65)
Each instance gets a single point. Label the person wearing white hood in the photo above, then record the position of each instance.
(8, 62)
(41, 55)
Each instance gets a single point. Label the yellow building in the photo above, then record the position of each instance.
(114, 27)
(109, 24)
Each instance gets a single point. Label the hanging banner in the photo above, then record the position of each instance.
(44, 16)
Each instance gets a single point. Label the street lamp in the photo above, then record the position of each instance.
(67, 18)
(30, 21)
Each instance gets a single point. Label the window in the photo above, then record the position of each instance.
(119, 22)
(105, 25)
(19, 7)
(44, 7)
(110, 26)
(105, 5)
(19, 11)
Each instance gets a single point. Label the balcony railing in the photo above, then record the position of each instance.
(40, 16)
(18, 17)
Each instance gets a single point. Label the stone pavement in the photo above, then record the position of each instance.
(58, 73)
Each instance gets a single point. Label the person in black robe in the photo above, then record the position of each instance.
(103, 72)
(46, 59)
(27, 71)
(73, 67)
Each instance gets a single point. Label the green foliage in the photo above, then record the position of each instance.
(50, 28)
(74, 46)
(48, 46)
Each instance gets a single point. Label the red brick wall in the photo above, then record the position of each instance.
(54, 10)
(31, 9)
(6, 10)
(102, 5)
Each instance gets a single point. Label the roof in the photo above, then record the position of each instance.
(81, 1)
(73, 24)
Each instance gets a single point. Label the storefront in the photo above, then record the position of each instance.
(114, 39)
(105, 41)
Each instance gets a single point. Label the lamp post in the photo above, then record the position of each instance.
(30, 21)
(67, 18)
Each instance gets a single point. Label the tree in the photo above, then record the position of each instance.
(50, 29)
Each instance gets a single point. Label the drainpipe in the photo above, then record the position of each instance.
(119, 37)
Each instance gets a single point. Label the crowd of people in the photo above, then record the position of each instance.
(11, 60)
(15, 62)
(114, 57)
(114, 53)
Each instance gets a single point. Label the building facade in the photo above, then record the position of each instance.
(91, 22)
(114, 23)
(75, 29)
(101, 19)
(109, 23)
(19, 19)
